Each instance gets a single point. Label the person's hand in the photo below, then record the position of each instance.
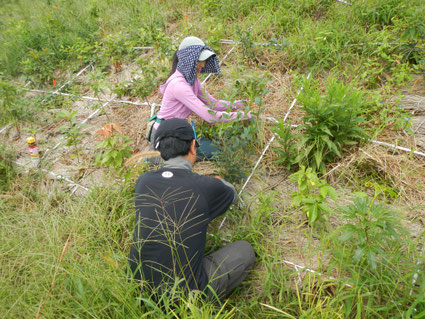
(249, 115)
(240, 104)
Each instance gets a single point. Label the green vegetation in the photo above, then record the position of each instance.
(369, 232)
(117, 148)
(331, 123)
(312, 194)
(72, 130)
(64, 255)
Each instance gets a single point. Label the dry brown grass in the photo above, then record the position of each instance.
(403, 173)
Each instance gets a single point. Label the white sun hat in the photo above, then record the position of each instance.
(189, 41)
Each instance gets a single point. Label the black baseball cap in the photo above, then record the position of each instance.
(174, 127)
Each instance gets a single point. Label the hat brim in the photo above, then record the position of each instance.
(205, 54)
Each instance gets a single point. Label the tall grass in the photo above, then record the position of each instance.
(40, 223)
(39, 36)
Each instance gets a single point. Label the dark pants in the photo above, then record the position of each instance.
(227, 267)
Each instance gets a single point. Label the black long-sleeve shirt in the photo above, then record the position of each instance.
(173, 209)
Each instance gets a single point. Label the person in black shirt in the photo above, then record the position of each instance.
(173, 209)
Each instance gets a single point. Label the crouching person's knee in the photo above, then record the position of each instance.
(246, 252)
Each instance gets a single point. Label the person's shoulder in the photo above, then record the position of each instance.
(177, 80)
(147, 176)
(207, 181)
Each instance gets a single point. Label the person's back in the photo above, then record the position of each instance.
(173, 209)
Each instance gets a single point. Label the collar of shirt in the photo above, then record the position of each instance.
(178, 162)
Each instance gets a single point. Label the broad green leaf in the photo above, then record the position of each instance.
(371, 259)
(325, 207)
(347, 235)
(313, 214)
(323, 191)
(296, 201)
(358, 254)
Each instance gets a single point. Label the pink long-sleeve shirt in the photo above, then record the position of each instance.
(180, 99)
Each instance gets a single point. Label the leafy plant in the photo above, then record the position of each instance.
(13, 107)
(331, 123)
(414, 34)
(141, 86)
(369, 230)
(39, 66)
(7, 170)
(377, 13)
(312, 194)
(116, 148)
(235, 140)
(116, 46)
(287, 143)
(72, 130)
(248, 47)
(96, 82)
(251, 87)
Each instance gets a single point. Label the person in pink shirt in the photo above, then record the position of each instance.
(183, 93)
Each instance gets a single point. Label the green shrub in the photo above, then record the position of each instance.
(116, 149)
(71, 129)
(369, 231)
(7, 170)
(287, 144)
(330, 124)
(378, 13)
(235, 140)
(312, 194)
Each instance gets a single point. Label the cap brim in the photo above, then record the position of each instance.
(205, 54)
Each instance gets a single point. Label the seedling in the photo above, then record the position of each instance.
(369, 230)
(116, 148)
(72, 130)
(312, 194)
(330, 125)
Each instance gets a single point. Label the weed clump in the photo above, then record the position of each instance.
(331, 124)
(7, 170)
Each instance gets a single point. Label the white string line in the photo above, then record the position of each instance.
(48, 151)
(69, 81)
(398, 147)
(374, 43)
(345, 2)
(265, 149)
(272, 119)
(45, 155)
(73, 191)
(231, 50)
(297, 267)
(58, 177)
(55, 92)
(272, 139)
(93, 98)
(303, 268)
(225, 41)
(5, 128)
(142, 48)
(415, 276)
